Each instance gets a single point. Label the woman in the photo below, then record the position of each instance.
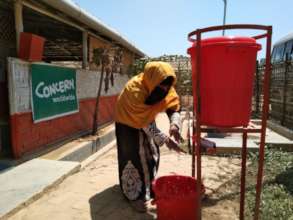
(138, 138)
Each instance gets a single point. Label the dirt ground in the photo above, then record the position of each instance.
(94, 193)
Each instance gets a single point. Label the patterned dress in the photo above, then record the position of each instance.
(139, 157)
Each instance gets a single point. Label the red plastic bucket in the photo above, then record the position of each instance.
(175, 197)
(226, 81)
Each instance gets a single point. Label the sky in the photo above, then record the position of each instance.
(159, 27)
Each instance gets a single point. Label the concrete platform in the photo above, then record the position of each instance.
(233, 142)
(77, 149)
(81, 148)
(288, 133)
(25, 183)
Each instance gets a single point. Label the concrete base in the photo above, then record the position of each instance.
(276, 136)
(232, 145)
(80, 149)
(281, 130)
(24, 184)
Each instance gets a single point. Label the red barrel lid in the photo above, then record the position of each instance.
(228, 40)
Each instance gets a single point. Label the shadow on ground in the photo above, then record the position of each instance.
(111, 205)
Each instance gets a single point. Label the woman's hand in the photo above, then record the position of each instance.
(172, 145)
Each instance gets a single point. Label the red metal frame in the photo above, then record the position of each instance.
(197, 129)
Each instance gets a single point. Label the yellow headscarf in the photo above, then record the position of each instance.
(130, 108)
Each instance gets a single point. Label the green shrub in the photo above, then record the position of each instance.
(277, 192)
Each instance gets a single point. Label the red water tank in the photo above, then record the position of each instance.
(226, 81)
(31, 47)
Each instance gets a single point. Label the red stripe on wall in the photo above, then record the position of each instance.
(28, 137)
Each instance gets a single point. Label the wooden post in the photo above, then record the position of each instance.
(84, 50)
(18, 21)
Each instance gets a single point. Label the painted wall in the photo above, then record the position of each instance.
(28, 136)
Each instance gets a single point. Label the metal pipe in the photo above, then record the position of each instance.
(193, 149)
(265, 111)
(224, 18)
(231, 130)
(229, 27)
(198, 125)
(257, 88)
(18, 21)
(260, 36)
(243, 174)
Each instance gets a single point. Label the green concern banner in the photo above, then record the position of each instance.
(53, 92)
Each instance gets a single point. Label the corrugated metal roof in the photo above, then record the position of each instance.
(284, 39)
(74, 11)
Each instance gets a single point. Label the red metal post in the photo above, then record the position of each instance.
(231, 26)
(243, 174)
(232, 130)
(198, 125)
(193, 149)
(196, 131)
(265, 111)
